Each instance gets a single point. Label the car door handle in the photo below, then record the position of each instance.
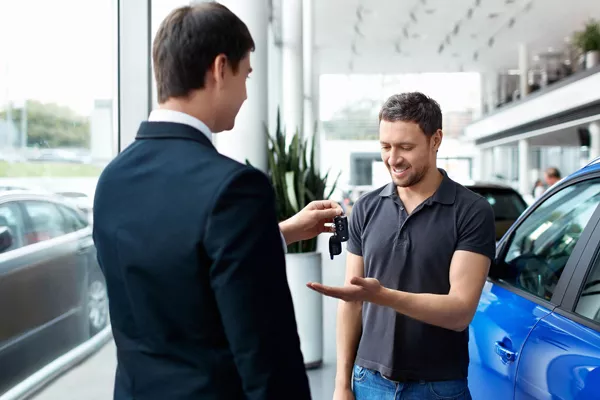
(507, 355)
(82, 249)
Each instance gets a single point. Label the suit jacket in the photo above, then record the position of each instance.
(191, 250)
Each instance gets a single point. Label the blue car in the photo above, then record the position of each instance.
(536, 332)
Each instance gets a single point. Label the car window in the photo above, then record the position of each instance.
(588, 304)
(11, 217)
(508, 205)
(541, 246)
(74, 221)
(46, 221)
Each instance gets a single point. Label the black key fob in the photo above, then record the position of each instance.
(335, 246)
(341, 228)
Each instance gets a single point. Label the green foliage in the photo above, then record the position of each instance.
(589, 38)
(295, 178)
(52, 126)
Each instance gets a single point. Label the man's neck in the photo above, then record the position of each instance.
(206, 115)
(422, 190)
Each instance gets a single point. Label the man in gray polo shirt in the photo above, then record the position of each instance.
(418, 256)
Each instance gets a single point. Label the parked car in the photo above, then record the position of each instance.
(536, 331)
(52, 291)
(506, 202)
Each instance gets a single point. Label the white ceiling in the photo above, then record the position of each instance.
(400, 36)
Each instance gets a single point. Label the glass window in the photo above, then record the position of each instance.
(74, 220)
(542, 244)
(588, 305)
(11, 218)
(45, 221)
(58, 98)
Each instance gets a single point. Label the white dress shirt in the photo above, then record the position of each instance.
(162, 115)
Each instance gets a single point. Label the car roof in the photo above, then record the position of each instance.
(487, 185)
(24, 194)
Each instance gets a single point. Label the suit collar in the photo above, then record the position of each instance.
(171, 130)
(445, 193)
(164, 115)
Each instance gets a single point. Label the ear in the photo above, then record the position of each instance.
(436, 140)
(219, 69)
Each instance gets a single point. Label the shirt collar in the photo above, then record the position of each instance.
(445, 193)
(162, 115)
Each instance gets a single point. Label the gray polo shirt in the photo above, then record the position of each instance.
(412, 253)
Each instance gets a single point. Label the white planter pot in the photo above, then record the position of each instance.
(592, 58)
(302, 268)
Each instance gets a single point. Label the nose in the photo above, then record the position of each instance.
(394, 158)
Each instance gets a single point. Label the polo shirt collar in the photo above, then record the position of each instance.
(445, 194)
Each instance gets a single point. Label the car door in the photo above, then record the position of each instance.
(534, 264)
(41, 289)
(561, 357)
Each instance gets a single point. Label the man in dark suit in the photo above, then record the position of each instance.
(188, 238)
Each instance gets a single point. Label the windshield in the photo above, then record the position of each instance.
(507, 204)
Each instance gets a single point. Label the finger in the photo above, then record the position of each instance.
(338, 293)
(326, 204)
(328, 214)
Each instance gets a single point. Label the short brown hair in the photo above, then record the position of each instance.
(553, 172)
(187, 43)
(413, 107)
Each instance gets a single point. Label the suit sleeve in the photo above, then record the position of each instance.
(249, 281)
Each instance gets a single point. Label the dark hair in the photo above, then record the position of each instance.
(413, 107)
(187, 43)
(553, 172)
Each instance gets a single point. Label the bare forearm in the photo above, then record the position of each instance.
(445, 311)
(349, 328)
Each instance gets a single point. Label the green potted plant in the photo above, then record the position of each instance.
(588, 41)
(297, 181)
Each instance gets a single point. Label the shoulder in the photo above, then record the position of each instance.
(242, 179)
(471, 201)
(370, 199)
(472, 208)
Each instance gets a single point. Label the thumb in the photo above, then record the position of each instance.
(358, 281)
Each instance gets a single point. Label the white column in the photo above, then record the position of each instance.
(594, 129)
(523, 68)
(134, 68)
(478, 164)
(524, 184)
(307, 54)
(491, 90)
(247, 140)
(275, 71)
(293, 86)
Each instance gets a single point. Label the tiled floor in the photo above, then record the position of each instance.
(93, 379)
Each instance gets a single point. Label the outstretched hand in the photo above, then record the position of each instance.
(359, 289)
(310, 221)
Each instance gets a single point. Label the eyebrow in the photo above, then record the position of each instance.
(398, 144)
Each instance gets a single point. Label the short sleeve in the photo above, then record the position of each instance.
(477, 230)
(355, 227)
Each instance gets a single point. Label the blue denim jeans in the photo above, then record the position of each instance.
(370, 385)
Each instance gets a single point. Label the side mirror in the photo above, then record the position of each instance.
(6, 238)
